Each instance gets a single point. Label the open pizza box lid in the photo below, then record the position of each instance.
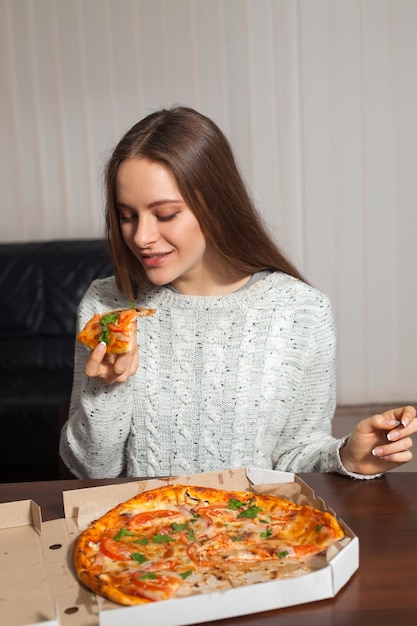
(38, 584)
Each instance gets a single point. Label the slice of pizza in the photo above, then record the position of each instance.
(114, 328)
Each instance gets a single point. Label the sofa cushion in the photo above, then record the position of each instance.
(41, 284)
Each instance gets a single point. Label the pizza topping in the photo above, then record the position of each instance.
(123, 532)
(140, 558)
(176, 528)
(116, 550)
(152, 518)
(110, 318)
(157, 586)
(251, 512)
(161, 564)
(162, 538)
(235, 504)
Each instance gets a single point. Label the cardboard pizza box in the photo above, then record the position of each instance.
(38, 585)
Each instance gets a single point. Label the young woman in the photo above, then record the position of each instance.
(237, 367)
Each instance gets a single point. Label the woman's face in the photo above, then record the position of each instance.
(159, 227)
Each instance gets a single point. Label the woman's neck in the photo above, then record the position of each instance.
(210, 287)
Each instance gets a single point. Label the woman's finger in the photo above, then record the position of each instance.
(399, 446)
(95, 360)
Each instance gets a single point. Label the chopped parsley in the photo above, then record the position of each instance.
(110, 318)
(123, 533)
(235, 504)
(250, 513)
(267, 534)
(186, 574)
(282, 554)
(142, 540)
(178, 527)
(148, 575)
(162, 538)
(319, 527)
(140, 558)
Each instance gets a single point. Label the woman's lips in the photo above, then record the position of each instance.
(154, 260)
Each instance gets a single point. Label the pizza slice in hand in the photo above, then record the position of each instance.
(115, 328)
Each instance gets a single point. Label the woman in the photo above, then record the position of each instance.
(237, 367)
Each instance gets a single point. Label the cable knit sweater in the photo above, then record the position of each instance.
(244, 379)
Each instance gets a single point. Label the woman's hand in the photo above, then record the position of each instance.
(112, 368)
(381, 442)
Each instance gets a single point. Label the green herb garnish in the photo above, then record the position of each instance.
(162, 538)
(110, 318)
(148, 575)
(123, 533)
(282, 554)
(250, 513)
(140, 558)
(186, 574)
(235, 504)
(143, 541)
(267, 534)
(178, 527)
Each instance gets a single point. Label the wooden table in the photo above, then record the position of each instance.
(382, 513)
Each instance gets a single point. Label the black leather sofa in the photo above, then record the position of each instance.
(41, 284)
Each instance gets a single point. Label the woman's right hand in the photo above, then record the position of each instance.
(112, 368)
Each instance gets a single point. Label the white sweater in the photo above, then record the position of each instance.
(245, 379)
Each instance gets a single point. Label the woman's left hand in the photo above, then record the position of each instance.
(381, 442)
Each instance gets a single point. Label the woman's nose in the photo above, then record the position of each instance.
(146, 232)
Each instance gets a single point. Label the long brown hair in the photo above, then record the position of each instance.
(199, 157)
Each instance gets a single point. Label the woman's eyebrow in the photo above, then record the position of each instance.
(165, 201)
(152, 205)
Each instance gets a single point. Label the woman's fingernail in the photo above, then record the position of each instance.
(378, 451)
(393, 423)
(393, 436)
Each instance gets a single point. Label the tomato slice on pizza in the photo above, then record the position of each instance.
(115, 328)
(180, 540)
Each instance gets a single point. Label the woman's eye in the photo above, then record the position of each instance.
(127, 219)
(166, 218)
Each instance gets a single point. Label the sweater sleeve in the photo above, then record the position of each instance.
(93, 439)
(307, 444)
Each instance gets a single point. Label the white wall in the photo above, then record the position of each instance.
(318, 97)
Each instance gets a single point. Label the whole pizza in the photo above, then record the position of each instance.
(179, 540)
